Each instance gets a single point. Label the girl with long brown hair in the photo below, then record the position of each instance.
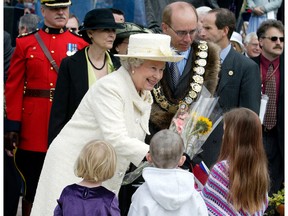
(238, 183)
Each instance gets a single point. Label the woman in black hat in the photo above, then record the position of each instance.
(78, 72)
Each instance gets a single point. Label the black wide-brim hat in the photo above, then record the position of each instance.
(56, 3)
(99, 19)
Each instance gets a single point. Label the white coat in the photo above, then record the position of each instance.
(111, 110)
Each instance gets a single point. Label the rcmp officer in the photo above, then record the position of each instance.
(29, 91)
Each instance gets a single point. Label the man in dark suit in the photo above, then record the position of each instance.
(180, 23)
(239, 84)
(271, 40)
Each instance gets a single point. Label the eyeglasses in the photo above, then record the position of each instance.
(274, 38)
(182, 34)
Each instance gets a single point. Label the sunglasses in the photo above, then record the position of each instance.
(274, 38)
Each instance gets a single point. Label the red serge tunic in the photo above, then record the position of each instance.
(29, 70)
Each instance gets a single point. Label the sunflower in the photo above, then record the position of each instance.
(203, 126)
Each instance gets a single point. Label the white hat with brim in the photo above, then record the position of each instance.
(155, 47)
(237, 38)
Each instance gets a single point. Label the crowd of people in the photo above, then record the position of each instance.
(86, 103)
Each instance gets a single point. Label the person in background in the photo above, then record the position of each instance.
(81, 70)
(11, 178)
(115, 109)
(7, 52)
(29, 93)
(240, 178)
(120, 44)
(28, 23)
(261, 11)
(27, 5)
(236, 41)
(118, 15)
(7, 2)
(96, 163)
(73, 23)
(233, 5)
(239, 84)
(271, 63)
(177, 195)
(251, 45)
(201, 12)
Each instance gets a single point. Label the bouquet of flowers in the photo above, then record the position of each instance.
(196, 122)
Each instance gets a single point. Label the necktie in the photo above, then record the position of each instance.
(270, 90)
(175, 75)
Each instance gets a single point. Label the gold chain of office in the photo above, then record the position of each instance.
(195, 85)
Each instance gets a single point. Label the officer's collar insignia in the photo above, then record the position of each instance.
(50, 30)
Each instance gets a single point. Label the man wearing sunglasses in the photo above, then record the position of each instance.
(271, 40)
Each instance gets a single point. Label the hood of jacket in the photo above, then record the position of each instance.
(170, 188)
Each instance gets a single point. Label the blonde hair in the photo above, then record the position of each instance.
(243, 148)
(96, 161)
(166, 149)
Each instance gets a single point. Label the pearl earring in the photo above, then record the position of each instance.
(133, 72)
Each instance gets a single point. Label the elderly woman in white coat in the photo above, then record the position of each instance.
(115, 109)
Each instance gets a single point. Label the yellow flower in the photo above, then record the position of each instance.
(203, 126)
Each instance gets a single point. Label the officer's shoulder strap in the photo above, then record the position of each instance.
(75, 33)
(28, 33)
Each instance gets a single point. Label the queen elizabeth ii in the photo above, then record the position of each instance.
(115, 109)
